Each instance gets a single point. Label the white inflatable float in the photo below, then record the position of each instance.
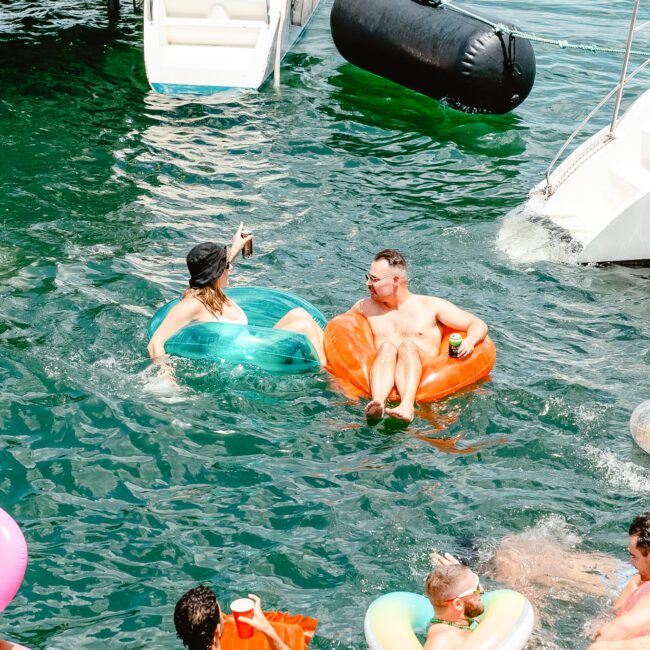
(393, 619)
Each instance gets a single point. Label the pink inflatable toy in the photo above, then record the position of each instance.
(13, 558)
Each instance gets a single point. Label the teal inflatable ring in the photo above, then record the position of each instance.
(256, 344)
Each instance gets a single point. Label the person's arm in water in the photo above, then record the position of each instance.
(450, 315)
(626, 626)
(178, 316)
(261, 623)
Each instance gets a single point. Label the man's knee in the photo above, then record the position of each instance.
(298, 313)
(387, 350)
(407, 346)
(296, 318)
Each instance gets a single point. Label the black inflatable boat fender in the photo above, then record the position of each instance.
(436, 51)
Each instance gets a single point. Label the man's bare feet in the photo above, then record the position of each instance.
(402, 412)
(374, 410)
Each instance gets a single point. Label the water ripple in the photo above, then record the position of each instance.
(129, 494)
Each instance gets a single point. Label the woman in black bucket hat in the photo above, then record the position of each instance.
(205, 301)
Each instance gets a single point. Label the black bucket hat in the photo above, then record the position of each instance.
(206, 262)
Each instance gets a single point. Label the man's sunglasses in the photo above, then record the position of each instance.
(372, 279)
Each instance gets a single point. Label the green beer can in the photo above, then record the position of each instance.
(454, 343)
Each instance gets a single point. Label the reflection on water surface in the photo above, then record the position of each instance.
(128, 496)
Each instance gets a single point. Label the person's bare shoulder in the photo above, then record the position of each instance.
(363, 307)
(443, 637)
(356, 308)
(187, 310)
(189, 306)
(424, 298)
(429, 303)
(438, 305)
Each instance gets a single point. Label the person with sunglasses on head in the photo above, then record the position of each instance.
(406, 333)
(455, 592)
(210, 267)
(631, 627)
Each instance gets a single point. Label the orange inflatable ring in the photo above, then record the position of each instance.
(295, 630)
(350, 351)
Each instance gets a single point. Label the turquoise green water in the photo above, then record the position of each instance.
(129, 496)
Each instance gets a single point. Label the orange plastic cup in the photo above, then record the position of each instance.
(243, 607)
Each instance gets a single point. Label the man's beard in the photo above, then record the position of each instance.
(474, 609)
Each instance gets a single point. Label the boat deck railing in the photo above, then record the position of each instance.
(549, 189)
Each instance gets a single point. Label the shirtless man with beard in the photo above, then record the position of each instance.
(455, 592)
(404, 326)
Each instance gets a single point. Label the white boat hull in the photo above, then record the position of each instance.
(601, 197)
(205, 46)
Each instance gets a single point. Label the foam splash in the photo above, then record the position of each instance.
(544, 563)
(619, 473)
(525, 240)
(162, 388)
(549, 531)
(553, 528)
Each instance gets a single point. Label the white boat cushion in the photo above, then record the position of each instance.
(217, 9)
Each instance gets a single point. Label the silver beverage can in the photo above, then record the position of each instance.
(247, 251)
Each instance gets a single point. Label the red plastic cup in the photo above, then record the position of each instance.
(243, 607)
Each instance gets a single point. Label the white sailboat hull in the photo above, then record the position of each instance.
(205, 46)
(601, 197)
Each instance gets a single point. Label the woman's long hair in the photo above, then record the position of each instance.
(211, 296)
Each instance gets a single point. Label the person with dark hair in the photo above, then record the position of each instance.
(198, 619)
(210, 267)
(633, 605)
(455, 592)
(405, 331)
(201, 625)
